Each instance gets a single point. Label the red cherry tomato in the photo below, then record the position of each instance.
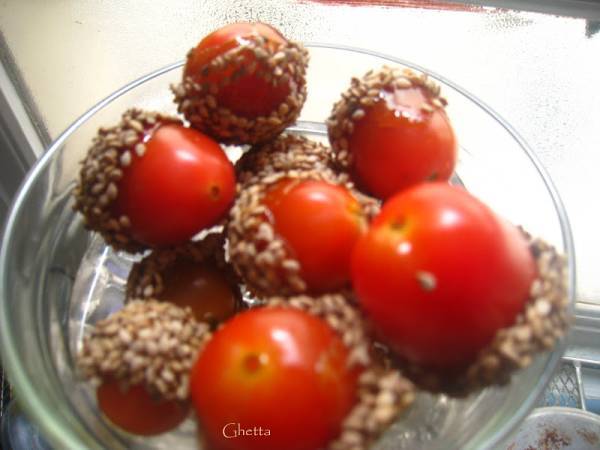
(278, 375)
(137, 412)
(397, 144)
(204, 289)
(248, 94)
(439, 274)
(181, 185)
(321, 223)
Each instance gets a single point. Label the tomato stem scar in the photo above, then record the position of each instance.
(215, 191)
(397, 224)
(254, 362)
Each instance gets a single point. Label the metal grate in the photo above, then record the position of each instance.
(565, 387)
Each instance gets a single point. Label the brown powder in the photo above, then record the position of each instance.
(552, 439)
(589, 436)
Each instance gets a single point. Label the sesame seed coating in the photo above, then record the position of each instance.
(282, 64)
(383, 394)
(286, 152)
(103, 168)
(147, 342)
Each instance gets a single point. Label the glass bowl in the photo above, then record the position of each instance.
(56, 279)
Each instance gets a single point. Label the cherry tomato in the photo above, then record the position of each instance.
(205, 289)
(439, 274)
(182, 184)
(391, 130)
(280, 373)
(137, 412)
(320, 222)
(248, 94)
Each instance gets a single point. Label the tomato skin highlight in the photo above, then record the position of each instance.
(137, 412)
(397, 145)
(321, 222)
(182, 184)
(279, 369)
(439, 274)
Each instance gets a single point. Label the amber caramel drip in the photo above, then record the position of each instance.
(136, 411)
(206, 290)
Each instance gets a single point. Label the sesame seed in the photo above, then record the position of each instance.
(427, 108)
(283, 109)
(403, 83)
(278, 57)
(366, 101)
(136, 125)
(140, 149)
(274, 121)
(385, 398)
(543, 307)
(103, 200)
(125, 159)
(130, 138)
(437, 103)
(351, 437)
(260, 53)
(115, 174)
(385, 414)
(358, 114)
(291, 264)
(112, 191)
(148, 291)
(97, 188)
(125, 336)
(427, 280)
(168, 376)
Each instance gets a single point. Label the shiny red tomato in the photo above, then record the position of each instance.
(321, 223)
(272, 379)
(439, 274)
(247, 94)
(397, 144)
(182, 184)
(138, 412)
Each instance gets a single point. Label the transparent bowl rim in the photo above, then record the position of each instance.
(24, 388)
